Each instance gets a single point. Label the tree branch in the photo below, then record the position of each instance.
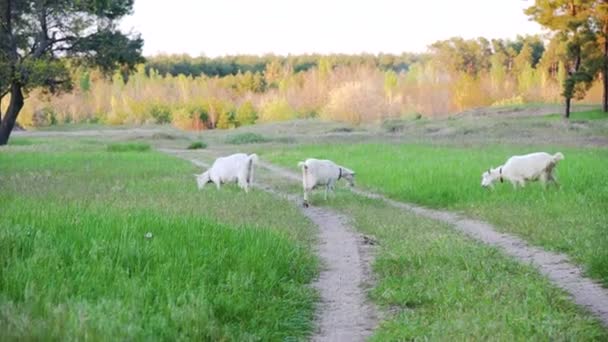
(43, 36)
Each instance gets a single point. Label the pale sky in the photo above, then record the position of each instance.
(224, 27)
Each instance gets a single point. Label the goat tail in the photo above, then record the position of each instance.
(558, 156)
(253, 159)
(301, 164)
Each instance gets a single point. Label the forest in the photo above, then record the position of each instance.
(452, 76)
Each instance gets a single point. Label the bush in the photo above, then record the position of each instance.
(393, 125)
(184, 118)
(512, 101)
(160, 113)
(226, 119)
(197, 145)
(44, 117)
(246, 114)
(354, 102)
(128, 147)
(246, 138)
(277, 110)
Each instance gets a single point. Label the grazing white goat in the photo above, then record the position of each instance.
(519, 169)
(237, 167)
(316, 172)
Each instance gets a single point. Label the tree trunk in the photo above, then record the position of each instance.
(567, 114)
(14, 107)
(605, 71)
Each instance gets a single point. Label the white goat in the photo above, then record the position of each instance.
(519, 169)
(237, 167)
(326, 173)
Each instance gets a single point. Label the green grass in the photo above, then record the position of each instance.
(197, 145)
(21, 141)
(75, 262)
(246, 138)
(572, 219)
(578, 116)
(128, 147)
(438, 285)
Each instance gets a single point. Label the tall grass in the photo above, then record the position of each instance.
(572, 219)
(106, 246)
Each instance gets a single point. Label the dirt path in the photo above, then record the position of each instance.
(345, 313)
(557, 267)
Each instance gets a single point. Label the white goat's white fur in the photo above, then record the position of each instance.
(520, 169)
(316, 172)
(237, 167)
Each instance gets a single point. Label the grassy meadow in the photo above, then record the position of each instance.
(77, 260)
(440, 285)
(435, 283)
(571, 219)
(114, 242)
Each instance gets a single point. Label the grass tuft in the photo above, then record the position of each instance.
(163, 136)
(197, 145)
(246, 138)
(128, 147)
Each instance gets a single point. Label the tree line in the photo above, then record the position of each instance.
(232, 65)
(73, 49)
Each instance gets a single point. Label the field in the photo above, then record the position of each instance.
(571, 219)
(438, 284)
(76, 261)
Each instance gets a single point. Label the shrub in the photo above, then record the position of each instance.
(160, 113)
(354, 102)
(44, 117)
(277, 110)
(512, 101)
(393, 125)
(187, 119)
(197, 145)
(226, 119)
(246, 138)
(200, 111)
(246, 114)
(128, 147)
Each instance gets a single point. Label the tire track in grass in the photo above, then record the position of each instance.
(555, 266)
(344, 314)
